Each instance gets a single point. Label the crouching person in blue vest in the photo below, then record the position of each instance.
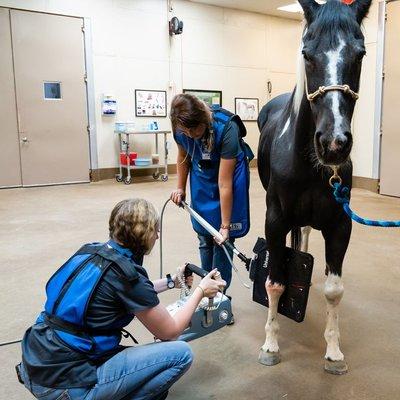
(73, 351)
(211, 149)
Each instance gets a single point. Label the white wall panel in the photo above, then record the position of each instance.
(230, 50)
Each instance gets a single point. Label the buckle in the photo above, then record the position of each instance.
(18, 371)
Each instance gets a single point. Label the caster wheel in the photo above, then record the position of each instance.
(164, 177)
(156, 175)
(127, 181)
(118, 178)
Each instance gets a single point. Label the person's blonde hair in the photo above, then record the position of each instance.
(133, 224)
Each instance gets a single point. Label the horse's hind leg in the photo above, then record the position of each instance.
(276, 236)
(336, 241)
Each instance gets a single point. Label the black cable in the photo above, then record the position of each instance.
(10, 342)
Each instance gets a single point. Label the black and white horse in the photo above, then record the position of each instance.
(306, 135)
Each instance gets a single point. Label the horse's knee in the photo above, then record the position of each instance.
(274, 289)
(333, 289)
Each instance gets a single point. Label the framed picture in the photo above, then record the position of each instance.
(150, 103)
(208, 96)
(246, 108)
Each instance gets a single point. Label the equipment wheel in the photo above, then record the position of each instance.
(156, 175)
(164, 177)
(118, 178)
(127, 181)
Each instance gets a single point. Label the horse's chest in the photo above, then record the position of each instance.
(314, 209)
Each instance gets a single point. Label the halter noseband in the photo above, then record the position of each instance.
(323, 89)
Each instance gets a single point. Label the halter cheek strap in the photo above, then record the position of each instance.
(323, 89)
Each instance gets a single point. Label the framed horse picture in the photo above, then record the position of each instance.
(246, 108)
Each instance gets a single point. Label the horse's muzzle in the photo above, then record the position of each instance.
(333, 150)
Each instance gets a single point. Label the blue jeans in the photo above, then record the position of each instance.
(213, 255)
(140, 373)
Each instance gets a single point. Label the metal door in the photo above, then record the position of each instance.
(10, 169)
(51, 97)
(390, 149)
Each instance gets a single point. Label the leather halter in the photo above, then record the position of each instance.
(323, 89)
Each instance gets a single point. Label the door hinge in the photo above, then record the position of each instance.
(83, 29)
(85, 78)
(383, 75)
(88, 128)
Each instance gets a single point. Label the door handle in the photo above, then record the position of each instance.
(24, 139)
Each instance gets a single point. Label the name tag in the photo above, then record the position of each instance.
(236, 226)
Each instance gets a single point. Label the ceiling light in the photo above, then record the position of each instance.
(294, 8)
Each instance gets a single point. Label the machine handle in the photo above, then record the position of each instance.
(191, 268)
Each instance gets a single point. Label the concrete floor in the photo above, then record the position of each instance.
(41, 227)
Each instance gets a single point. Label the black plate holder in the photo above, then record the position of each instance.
(298, 271)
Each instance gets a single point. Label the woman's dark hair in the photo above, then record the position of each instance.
(133, 224)
(189, 111)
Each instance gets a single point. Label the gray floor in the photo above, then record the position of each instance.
(41, 227)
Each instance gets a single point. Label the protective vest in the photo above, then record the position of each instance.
(69, 292)
(204, 176)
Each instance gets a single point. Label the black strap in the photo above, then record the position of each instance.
(57, 323)
(107, 252)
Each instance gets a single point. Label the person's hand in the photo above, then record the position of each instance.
(211, 286)
(177, 196)
(181, 271)
(225, 235)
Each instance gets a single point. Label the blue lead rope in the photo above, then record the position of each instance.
(341, 194)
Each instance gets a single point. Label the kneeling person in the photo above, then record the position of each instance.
(73, 348)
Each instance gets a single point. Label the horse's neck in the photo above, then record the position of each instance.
(304, 126)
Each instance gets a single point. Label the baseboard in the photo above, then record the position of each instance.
(109, 173)
(370, 184)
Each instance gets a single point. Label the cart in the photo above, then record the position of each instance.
(124, 146)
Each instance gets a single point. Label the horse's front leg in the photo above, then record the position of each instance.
(336, 242)
(276, 232)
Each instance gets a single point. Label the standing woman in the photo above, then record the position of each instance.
(211, 149)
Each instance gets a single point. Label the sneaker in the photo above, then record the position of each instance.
(232, 321)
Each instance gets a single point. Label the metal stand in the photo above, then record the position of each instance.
(124, 145)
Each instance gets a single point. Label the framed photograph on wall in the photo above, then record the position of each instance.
(150, 103)
(208, 96)
(246, 108)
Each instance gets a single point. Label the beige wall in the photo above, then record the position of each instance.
(229, 50)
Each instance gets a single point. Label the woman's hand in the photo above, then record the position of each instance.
(179, 272)
(225, 235)
(177, 196)
(211, 286)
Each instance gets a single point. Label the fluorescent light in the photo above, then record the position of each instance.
(294, 8)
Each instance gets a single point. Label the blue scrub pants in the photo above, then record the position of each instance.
(213, 255)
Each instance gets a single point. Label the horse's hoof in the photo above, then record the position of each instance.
(336, 367)
(269, 357)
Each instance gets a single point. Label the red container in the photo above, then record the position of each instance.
(132, 157)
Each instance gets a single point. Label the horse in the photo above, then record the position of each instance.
(304, 136)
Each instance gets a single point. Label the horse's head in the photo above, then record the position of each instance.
(333, 49)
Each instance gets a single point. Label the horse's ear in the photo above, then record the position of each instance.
(360, 8)
(310, 8)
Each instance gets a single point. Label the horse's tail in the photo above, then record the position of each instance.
(295, 238)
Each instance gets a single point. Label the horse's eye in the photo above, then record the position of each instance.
(360, 55)
(306, 55)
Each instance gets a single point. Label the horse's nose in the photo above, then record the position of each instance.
(339, 142)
